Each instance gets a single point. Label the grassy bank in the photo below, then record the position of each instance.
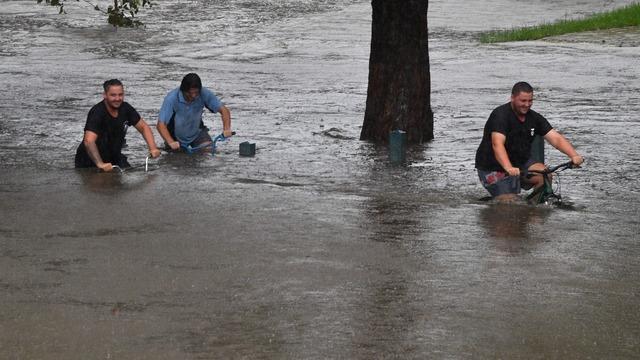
(626, 16)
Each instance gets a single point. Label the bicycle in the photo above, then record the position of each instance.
(214, 141)
(187, 148)
(546, 194)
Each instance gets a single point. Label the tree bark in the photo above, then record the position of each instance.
(398, 96)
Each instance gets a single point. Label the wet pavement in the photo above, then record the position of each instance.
(317, 247)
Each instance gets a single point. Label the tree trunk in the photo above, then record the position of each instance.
(398, 97)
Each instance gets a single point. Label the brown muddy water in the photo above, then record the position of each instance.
(316, 247)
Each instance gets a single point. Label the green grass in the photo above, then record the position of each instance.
(623, 17)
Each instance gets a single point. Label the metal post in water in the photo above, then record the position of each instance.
(537, 149)
(397, 146)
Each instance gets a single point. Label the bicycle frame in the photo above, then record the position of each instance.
(214, 141)
(190, 150)
(545, 193)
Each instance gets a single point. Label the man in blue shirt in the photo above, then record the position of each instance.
(180, 120)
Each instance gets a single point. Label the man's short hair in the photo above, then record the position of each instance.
(521, 87)
(190, 81)
(112, 82)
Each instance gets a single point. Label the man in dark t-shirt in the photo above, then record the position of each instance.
(104, 131)
(505, 151)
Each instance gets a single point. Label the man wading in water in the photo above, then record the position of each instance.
(180, 120)
(504, 154)
(105, 130)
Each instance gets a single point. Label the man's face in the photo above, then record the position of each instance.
(521, 103)
(114, 96)
(191, 94)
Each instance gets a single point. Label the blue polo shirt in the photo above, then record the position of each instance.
(187, 115)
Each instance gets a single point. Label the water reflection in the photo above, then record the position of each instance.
(392, 219)
(387, 316)
(101, 182)
(510, 225)
(387, 306)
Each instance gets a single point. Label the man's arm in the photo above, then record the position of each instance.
(147, 134)
(90, 146)
(500, 152)
(212, 102)
(166, 136)
(561, 143)
(225, 114)
(167, 112)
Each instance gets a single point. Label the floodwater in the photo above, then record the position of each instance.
(316, 247)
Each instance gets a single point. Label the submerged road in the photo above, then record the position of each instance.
(316, 247)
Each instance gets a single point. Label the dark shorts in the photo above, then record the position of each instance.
(203, 137)
(500, 183)
(82, 160)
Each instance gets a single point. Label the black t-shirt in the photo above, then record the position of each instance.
(519, 136)
(110, 131)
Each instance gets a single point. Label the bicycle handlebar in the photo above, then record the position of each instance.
(563, 166)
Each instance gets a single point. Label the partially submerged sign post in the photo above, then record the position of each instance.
(397, 146)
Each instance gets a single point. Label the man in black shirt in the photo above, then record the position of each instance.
(505, 151)
(105, 130)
